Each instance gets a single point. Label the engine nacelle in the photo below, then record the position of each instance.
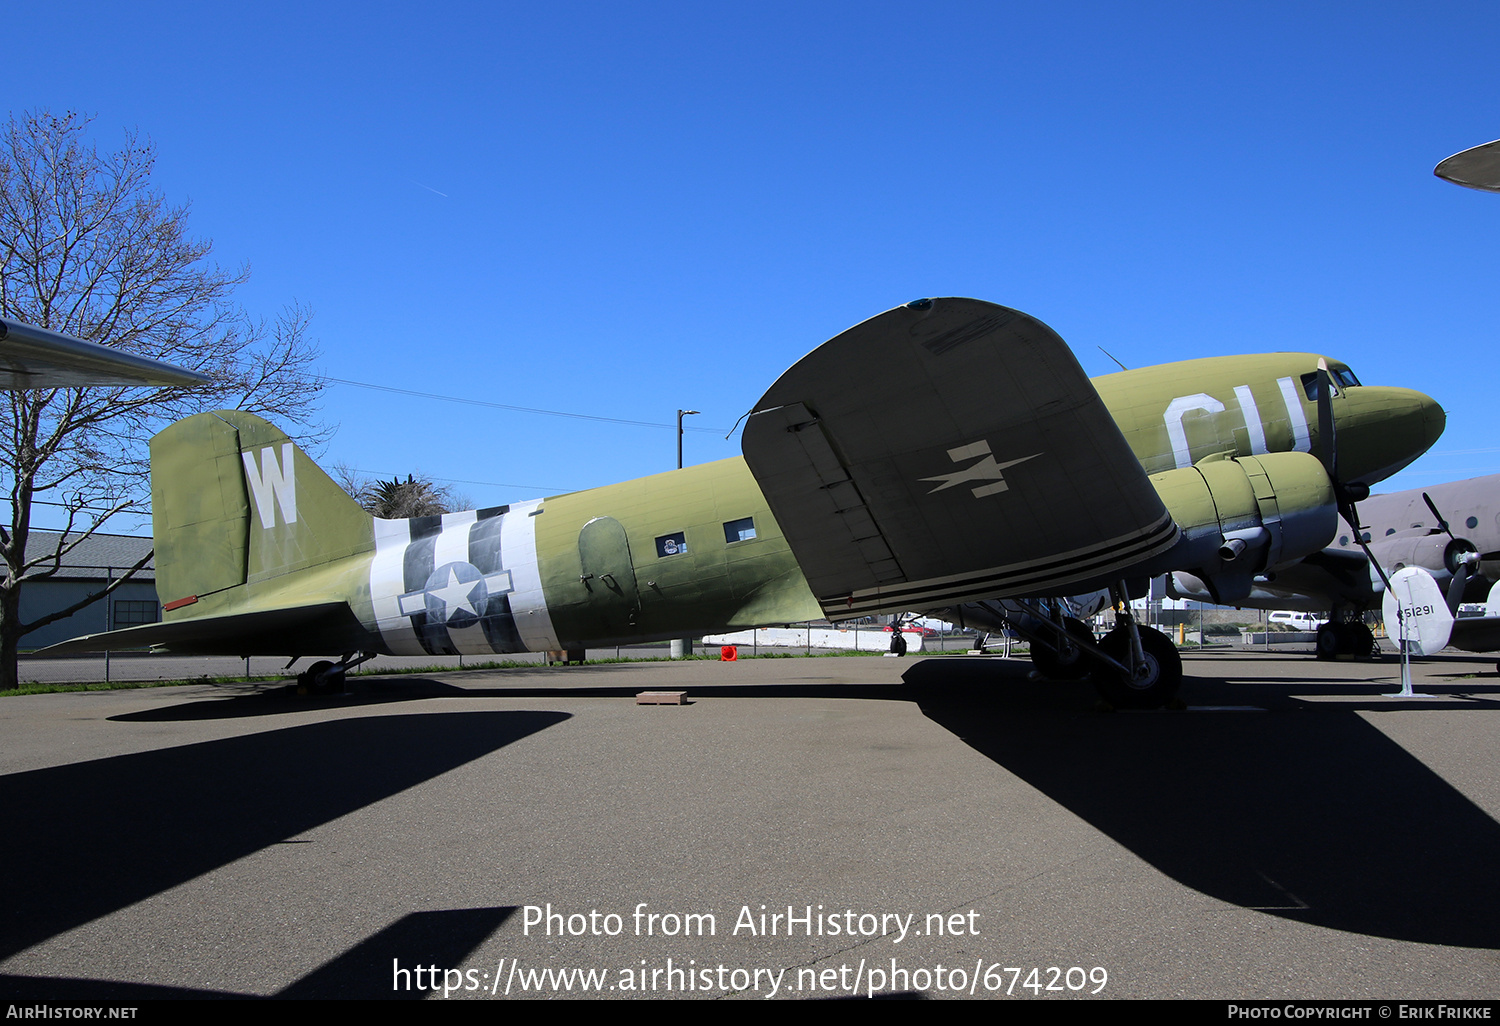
(1241, 517)
(1436, 553)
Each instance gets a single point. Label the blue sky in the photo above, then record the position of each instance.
(620, 210)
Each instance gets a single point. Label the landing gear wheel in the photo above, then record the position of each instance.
(1330, 641)
(321, 678)
(1155, 681)
(1362, 642)
(1056, 665)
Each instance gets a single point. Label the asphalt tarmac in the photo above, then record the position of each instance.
(801, 828)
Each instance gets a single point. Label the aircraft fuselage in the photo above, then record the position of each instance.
(260, 552)
(697, 549)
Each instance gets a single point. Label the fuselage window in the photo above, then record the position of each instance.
(671, 544)
(739, 530)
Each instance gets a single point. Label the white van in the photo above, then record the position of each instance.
(1297, 620)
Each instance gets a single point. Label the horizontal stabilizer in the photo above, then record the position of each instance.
(263, 632)
(1480, 633)
(945, 451)
(1416, 612)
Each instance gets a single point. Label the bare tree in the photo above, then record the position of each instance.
(90, 249)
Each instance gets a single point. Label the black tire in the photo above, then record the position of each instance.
(1362, 642)
(1052, 664)
(320, 681)
(1330, 641)
(1161, 676)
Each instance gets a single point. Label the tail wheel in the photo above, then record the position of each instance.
(1155, 681)
(321, 678)
(1059, 665)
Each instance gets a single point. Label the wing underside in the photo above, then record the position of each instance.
(32, 357)
(1476, 634)
(946, 451)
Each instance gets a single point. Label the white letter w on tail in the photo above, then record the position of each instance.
(273, 485)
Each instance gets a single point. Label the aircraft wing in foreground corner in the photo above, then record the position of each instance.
(32, 357)
(1477, 167)
(949, 454)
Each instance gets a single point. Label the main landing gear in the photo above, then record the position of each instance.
(1132, 667)
(1065, 656)
(1145, 682)
(1349, 637)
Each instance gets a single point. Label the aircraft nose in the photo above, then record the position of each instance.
(1382, 429)
(1434, 419)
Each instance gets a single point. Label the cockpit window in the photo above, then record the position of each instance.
(1343, 377)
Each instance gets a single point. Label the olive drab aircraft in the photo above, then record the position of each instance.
(948, 455)
(1448, 532)
(1419, 550)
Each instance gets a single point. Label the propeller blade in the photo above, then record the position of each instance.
(1351, 517)
(1460, 564)
(1442, 524)
(1327, 439)
(1456, 587)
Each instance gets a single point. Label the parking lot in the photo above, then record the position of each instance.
(800, 828)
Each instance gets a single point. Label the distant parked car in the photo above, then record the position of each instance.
(1297, 620)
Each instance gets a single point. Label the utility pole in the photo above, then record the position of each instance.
(681, 646)
(680, 415)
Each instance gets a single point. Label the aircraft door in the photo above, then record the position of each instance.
(609, 576)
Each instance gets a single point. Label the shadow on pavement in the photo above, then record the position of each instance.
(93, 837)
(1305, 810)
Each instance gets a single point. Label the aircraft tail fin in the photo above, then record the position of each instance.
(234, 501)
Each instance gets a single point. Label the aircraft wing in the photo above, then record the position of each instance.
(1476, 633)
(1332, 575)
(32, 357)
(261, 632)
(1478, 167)
(945, 451)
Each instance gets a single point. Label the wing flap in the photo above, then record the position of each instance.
(945, 451)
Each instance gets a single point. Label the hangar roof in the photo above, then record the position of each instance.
(95, 555)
